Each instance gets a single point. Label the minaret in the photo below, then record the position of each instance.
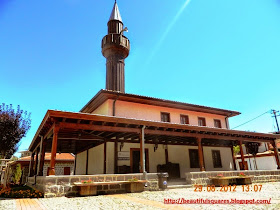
(115, 48)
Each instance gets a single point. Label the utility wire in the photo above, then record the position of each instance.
(252, 119)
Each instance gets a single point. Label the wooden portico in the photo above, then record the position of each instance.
(69, 132)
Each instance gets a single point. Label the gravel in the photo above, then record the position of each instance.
(155, 199)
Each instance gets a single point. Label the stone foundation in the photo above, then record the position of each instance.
(56, 186)
(259, 176)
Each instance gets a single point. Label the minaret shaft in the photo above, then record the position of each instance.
(115, 48)
(115, 74)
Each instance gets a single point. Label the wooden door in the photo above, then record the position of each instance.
(66, 170)
(135, 160)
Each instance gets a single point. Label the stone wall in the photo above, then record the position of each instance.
(259, 176)
(56, 186)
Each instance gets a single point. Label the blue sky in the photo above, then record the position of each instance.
(216, 53)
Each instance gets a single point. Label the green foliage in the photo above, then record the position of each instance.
(252, 147)
(17, 174)
(14, 125)
(236, 149)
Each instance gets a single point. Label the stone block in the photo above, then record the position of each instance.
(51, 181)
(53, 189)
(74, 188)
(49, 195)
(74, 179)
(66, 188)
(63, 181)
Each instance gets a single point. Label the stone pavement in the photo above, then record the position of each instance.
(153, 200)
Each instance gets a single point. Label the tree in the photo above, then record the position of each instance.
(236, 149)
(14, 125)
(16, 174)
(253, 148)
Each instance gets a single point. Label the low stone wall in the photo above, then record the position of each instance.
(56, 186)
(259, 176)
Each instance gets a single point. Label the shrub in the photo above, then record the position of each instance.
(20, 192)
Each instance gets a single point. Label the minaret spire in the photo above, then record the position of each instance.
(115, 14)
(115, 48)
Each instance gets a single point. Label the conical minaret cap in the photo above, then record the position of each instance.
(115, 15)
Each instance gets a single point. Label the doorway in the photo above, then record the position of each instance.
(135, 160)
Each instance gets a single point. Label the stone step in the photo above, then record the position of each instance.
(179, 186)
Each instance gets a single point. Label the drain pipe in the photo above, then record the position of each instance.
(143, 152)
(114, 105)
(226, 118)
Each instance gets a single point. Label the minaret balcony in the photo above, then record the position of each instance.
(115, 40)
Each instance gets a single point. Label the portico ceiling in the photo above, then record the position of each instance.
(78, 131)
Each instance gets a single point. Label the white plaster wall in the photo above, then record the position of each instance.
(155, 158)
(103, 109)
(110, 158)
(263, 163)
(263, 147)
(226, 157)
(81, 163)
(96, 160)
(151, 112)
(180, 154)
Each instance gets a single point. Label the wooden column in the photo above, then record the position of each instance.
(166, 155)
(242, 156)
(31, 170)
(54, 149)
(142, 150)
(233, 158)
(105, 157)
(39, 157)
(42, 159)
(276, 154)
(200, 155)
(36, 161)
(116, 156)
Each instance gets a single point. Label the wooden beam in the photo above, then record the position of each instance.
(153, 132)
(42, 159)
(98, 128)
(31, 170)
(200, 155)
(111, 119)
(36, 161)
(54, 149)
(49, 132)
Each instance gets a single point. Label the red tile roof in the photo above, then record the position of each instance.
(271, 147)
(59, 157)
